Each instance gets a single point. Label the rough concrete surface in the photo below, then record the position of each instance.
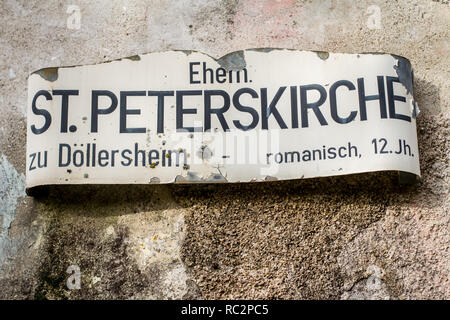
(354, 237)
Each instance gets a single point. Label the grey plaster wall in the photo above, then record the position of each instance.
(355, 237)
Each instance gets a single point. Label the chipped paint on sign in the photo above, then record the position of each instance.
(252, 115)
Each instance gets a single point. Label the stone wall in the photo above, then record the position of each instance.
(353, 237)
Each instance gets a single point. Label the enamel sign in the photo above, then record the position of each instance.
(253, 115)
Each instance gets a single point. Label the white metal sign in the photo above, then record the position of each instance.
(253, 115)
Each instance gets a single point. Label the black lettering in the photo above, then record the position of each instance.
(294, 107)
(332, 153)
(192, 72)
(238, 76)
(137, 153)
(32, 157)
(126, 157)
(103, 157)
(392, 98)
(181, 111)
(78, 162)
(113, 157)
(44, 160)
(60, 158)
(207, 70)
(221, 75)
(152, 157)
(352, 148)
